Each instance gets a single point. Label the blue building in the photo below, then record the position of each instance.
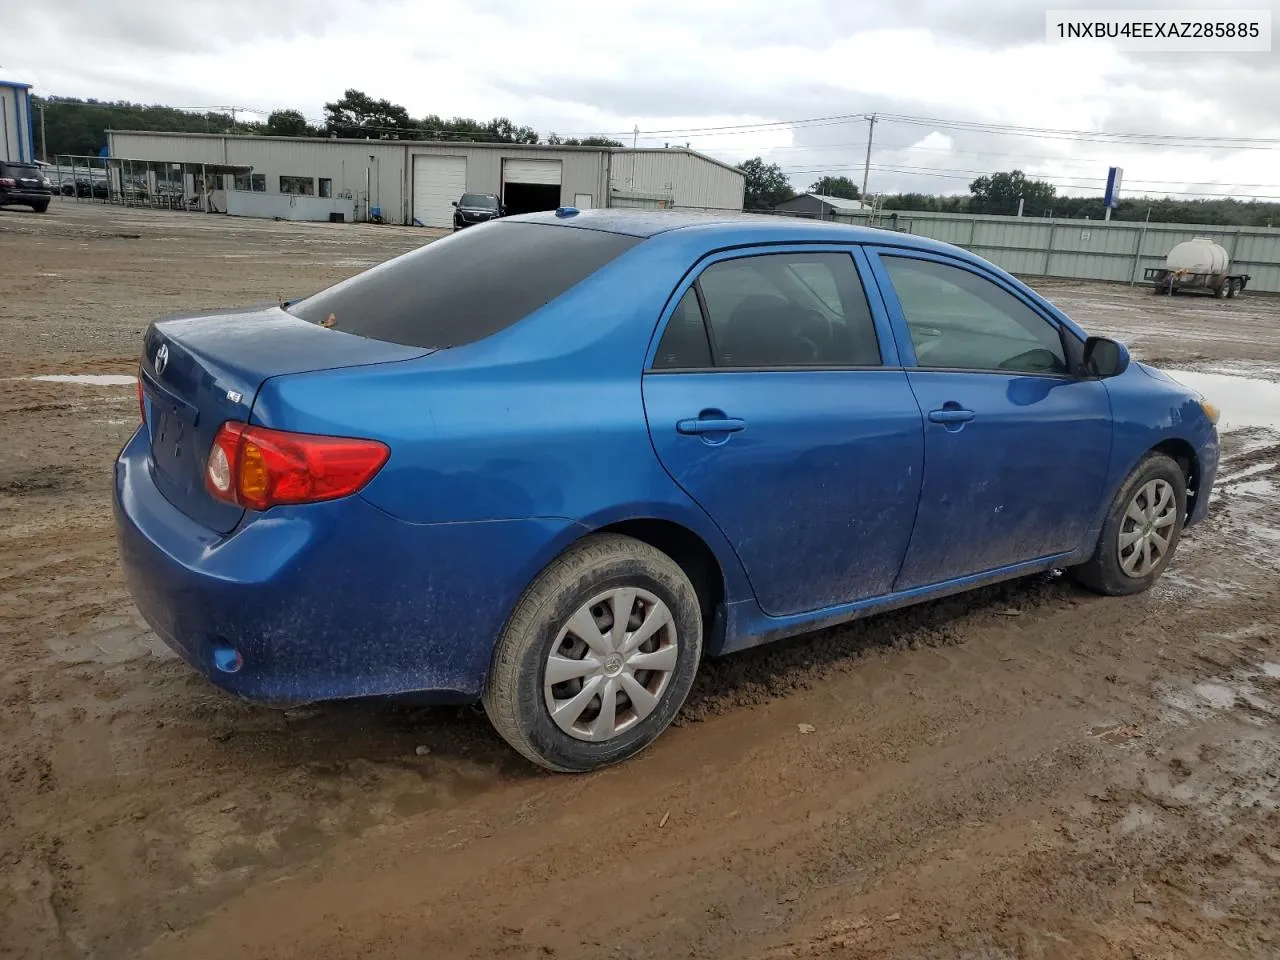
(17, 121)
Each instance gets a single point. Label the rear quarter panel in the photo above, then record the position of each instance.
(544, 420)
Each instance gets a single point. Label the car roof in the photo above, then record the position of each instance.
(737, 228)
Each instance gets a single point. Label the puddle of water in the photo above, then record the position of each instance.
(1271, 670)
(1253, 446)
(1269, 373)
(89, 379)
(1247, 472)
(1258, 488)
(1244, 401)
(1138, 819)
(1217, 696)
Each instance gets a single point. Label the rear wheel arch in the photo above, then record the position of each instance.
(694, 556)
(688, 549)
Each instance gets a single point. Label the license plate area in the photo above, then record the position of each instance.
(173, 436)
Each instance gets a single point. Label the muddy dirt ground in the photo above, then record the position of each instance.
(1027, 772)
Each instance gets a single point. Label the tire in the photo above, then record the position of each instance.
(1105, 572)
(1223, 291)
(1233, 288)
(40, 207)
(580, 587)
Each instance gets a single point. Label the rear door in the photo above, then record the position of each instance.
(1016, 445)
(774, 398)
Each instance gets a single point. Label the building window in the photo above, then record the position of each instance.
(302, 186)
(257, 182)
(326, 187)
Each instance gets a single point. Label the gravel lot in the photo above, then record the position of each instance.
(1026, 772)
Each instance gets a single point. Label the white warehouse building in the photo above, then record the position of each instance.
(417, 181)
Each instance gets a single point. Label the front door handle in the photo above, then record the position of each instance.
(950, 415)
(718, 425)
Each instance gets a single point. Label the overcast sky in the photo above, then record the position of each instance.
(584, 66)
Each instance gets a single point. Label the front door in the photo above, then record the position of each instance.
(773, 402)
(1016, 446)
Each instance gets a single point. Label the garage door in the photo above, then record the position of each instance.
(531, 171)
(437, 183)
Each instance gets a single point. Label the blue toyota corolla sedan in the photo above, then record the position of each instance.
(550, 462)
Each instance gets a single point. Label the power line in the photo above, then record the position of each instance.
(988, 127)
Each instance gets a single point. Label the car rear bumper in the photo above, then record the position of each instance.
(24, 197)
(327, 601)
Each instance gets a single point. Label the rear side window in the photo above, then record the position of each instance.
(684, 344)
(466, 286)
(789, 310)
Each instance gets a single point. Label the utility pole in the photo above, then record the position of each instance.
(635, 136)
(866, 166)
(44, 150)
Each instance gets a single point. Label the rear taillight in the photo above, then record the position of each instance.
(260, 468)
(8, 182)
(142, 400)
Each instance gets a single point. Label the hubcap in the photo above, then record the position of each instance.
(1147, 528)
(610, 664)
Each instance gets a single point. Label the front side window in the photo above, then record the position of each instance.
(789, 310)
(959, 320)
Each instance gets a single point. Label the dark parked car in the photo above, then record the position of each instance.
(476, 208)
(23, 185)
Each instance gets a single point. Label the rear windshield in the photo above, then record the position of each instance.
(466, 286)
(478, 200)
(21, 171)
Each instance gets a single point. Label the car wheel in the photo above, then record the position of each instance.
(1222, 291)
(1141, 530)
(40, 207)
(598, 656)
(1233, 287)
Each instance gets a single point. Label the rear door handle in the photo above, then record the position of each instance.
(950, 415)
(720, 425)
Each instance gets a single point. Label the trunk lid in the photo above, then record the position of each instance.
(197, 373)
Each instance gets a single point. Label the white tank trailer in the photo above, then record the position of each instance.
(1199, 264)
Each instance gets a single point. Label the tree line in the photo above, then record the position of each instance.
(767, 185)
(79, 127)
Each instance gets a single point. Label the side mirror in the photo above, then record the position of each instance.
(453, 203)
(1104, 357)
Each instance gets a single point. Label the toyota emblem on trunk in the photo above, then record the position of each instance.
(162, 358)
